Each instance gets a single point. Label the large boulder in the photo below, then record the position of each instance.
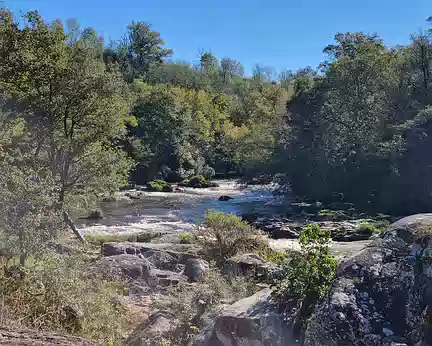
(196, 269)
(254, 321)
(382, 295)
(162, 260)
(122, 267)
(249, 264)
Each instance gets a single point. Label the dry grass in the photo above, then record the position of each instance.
(190, 305)
(55, 293)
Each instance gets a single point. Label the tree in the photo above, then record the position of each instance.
(209, 63)
(231, 68)
(262, 74)
(138, 51)
(73, 106)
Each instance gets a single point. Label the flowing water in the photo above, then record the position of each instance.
(180, 211)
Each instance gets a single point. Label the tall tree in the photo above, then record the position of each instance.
(139, 50)
(74, 107)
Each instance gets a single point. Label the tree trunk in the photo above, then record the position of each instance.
(71, 224)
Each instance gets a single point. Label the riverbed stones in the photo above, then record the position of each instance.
(383, 294)
(284, 228)
(225, 198)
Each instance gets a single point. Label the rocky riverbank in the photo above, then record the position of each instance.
(149, 243)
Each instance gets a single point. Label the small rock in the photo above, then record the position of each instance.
(95, 214)
(387, 332)
(196, 269)
(224, 198)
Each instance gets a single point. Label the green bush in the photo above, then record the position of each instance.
(270, 255)
(56, 293)
(306, 274)
(159, 186)
(225, 235)
(333, 215)
(198, 179)
(366, 227)
(186, 238)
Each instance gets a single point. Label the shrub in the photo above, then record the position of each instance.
(56, 293)
(225, 235)
(333, 215)
(307, 274)
(196, 182)
(270, 255)
(198, 179)
(159, 186)
(366, 227)
(186, 238)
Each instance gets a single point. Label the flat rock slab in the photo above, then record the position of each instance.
(38, 338)
(181, 252)
(338, 249)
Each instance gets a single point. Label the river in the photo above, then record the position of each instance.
(178, 212)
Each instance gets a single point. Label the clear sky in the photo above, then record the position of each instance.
(278, 33)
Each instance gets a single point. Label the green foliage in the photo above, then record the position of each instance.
(333, 215)
(199, 179)
(307, 274)
(74, 106)
(367, 227)
(186, 238)
(56, 293)
(360, 126)
(159, 186)
(138, 51)
(225, 235)
(270, 255)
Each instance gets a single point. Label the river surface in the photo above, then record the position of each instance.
(180, 211)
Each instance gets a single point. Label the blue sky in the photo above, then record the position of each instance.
(279, 33)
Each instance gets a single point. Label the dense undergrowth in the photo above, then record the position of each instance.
(57, 293)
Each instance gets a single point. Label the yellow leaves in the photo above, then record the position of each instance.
(235, 132)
